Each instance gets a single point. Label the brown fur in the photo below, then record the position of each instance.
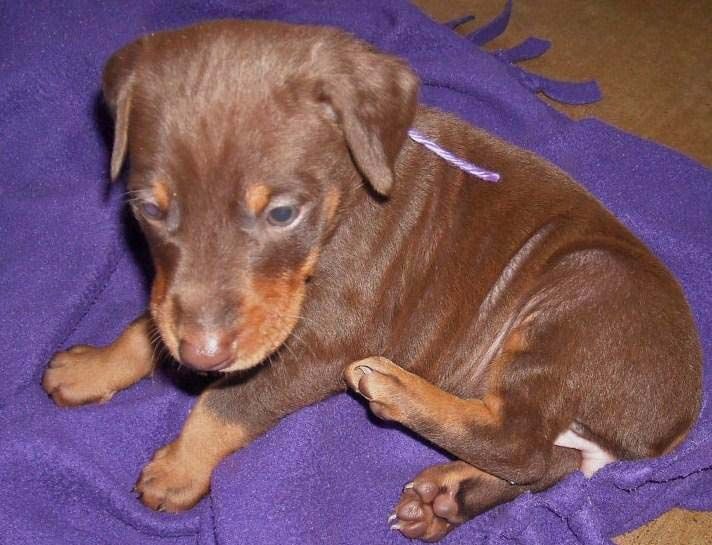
(514, 310)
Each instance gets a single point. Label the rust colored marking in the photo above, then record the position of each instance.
(331, 204)
(494, 405)
(516, 343)
(162, 310)
(413, 401)
(179, 474)
(308, 267)
(269, 312)
(257, 197)
(84, 374)
(162, 194)
(159, 287)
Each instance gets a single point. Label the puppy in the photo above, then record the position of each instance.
(295, 229)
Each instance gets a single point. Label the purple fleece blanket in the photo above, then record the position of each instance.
(72, 270)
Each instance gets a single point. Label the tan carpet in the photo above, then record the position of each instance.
(653, 61)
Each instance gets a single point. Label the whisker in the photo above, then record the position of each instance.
(301, 318)
(286, 345)
(135, 192)
(306, 346)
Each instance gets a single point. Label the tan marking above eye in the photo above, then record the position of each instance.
(257, 197)
(162, 194)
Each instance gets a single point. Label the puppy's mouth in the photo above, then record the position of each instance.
(215, 351)
(267, 316)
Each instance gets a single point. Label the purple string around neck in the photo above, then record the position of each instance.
(460, 163)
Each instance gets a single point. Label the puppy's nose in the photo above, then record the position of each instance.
(206, 351)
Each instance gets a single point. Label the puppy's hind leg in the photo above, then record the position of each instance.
(443, 496)
(85, 374)
(503, 452)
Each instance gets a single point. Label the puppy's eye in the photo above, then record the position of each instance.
(151, 210)
(281, 216)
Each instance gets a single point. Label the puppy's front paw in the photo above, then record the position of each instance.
(79, 376)
(170, 482)
(383, 383)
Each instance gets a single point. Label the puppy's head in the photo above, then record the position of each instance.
(247, 141)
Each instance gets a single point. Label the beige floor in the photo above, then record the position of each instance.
(653, 61)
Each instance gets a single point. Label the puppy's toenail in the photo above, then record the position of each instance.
(395, 526)
(409, 485)
(392, 518)
(365, 370)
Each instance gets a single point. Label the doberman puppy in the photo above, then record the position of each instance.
(295, 230)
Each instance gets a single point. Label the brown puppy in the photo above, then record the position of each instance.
(294, 226)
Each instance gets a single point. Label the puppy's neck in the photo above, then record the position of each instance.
(385, 249)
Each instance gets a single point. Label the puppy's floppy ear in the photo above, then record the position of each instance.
(374, 97)
(118, 90)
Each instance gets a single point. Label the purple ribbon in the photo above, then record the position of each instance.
(453, 159)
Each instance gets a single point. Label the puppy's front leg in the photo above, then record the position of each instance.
(179, 474)
(85, 374)
(227, 416)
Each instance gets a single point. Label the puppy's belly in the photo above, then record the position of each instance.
(593, 457)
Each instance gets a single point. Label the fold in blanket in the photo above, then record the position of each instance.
(73, 270)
